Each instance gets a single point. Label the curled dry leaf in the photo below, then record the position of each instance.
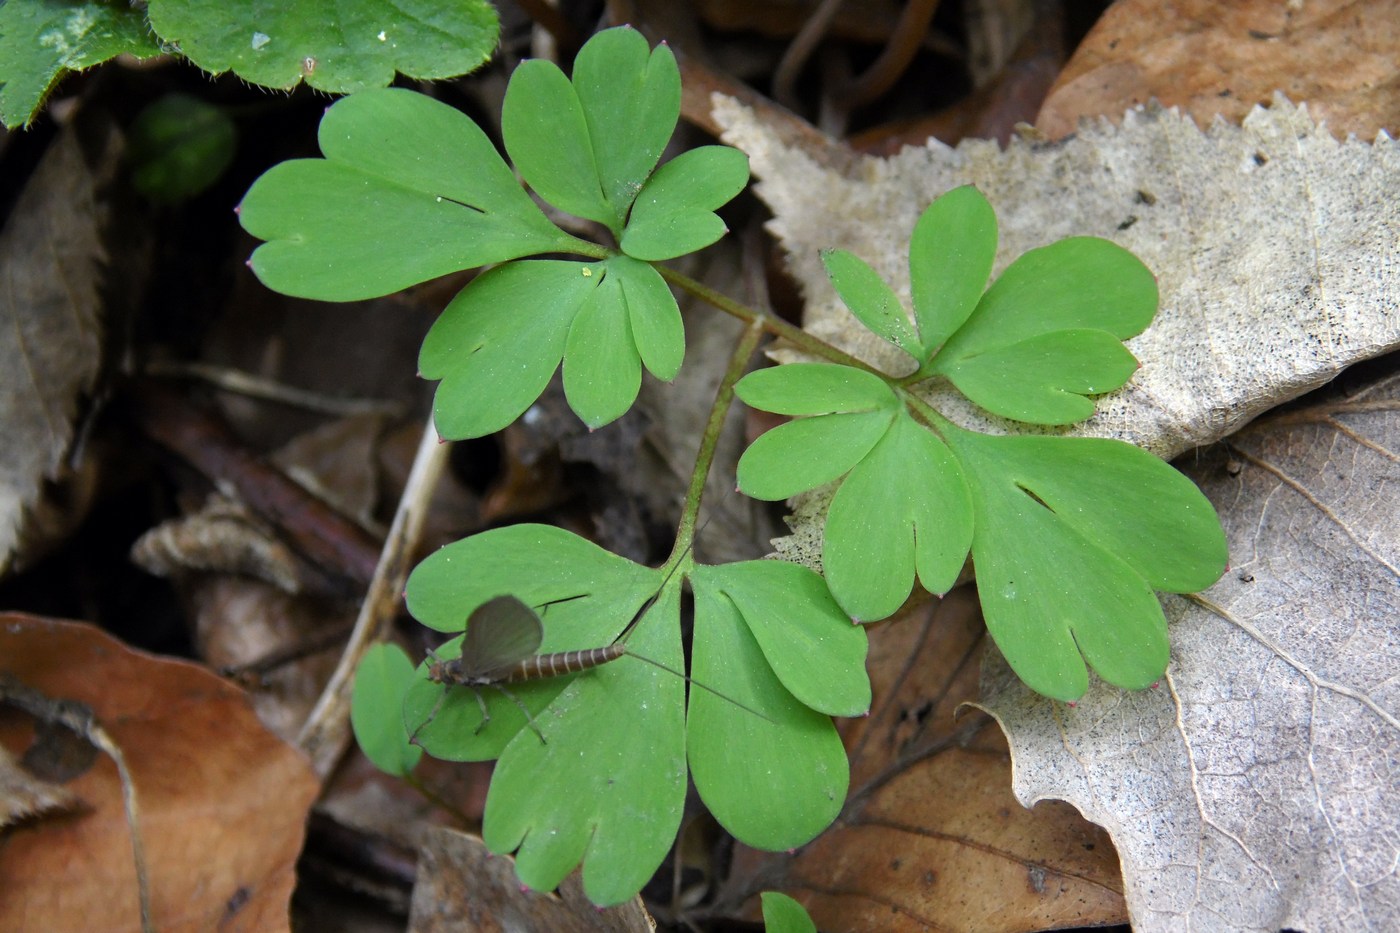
(222, 802)
(1214, 58)
(931, 838)
(1257, 790)
(50, 313)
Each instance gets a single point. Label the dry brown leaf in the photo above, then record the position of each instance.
(1214, 58)
(931, 837)
(463, 888)
(1259, 789)
(50, 314)
(222, 801)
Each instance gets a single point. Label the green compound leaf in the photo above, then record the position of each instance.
(1042, 326)
(630, 318)
(587, 146)
(782, 914)
(903, 511)
(609, 787)
(338, 46)
(950, 257)
(376, 709)
(409, 189)
(631, 97)
(776, 779)
(674, 214)
(1045, 379)
(497, 343)
(42, 40)
(1072, 536)
(585, 596)
(870, 299)
(817, 654)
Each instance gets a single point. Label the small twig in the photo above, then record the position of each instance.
(331, 542)
(79, 718)
(326, 733)
(245, 383)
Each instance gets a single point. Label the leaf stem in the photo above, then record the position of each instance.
(709, 441)
(776, 326)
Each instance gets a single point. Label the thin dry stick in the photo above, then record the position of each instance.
(326, 733)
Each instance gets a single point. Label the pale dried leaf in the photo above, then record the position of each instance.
(50, 256)
(1276, 249)
(1258, 789)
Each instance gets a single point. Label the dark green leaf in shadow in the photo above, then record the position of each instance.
(903, 511)
(409, 189)
(179, 146)
(774, 780)
(334, 45)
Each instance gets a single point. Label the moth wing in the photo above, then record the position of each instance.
(501, 633)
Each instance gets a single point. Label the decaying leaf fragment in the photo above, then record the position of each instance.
(1257, 789)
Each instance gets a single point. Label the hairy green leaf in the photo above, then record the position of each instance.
(338, 46)
(903, 511)
(376, 709)
(42, 40)
(674, 213)
(409, 189)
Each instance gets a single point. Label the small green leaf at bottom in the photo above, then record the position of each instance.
(782, 914)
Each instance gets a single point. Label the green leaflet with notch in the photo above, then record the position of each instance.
(674, 213)
(902, 512)
(871, 299)
(950, 257)
(409, 189)
(808, 453)
(608, 788)
(774, 780)
(1072, 535)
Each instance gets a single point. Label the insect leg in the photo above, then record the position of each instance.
(529, 720)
